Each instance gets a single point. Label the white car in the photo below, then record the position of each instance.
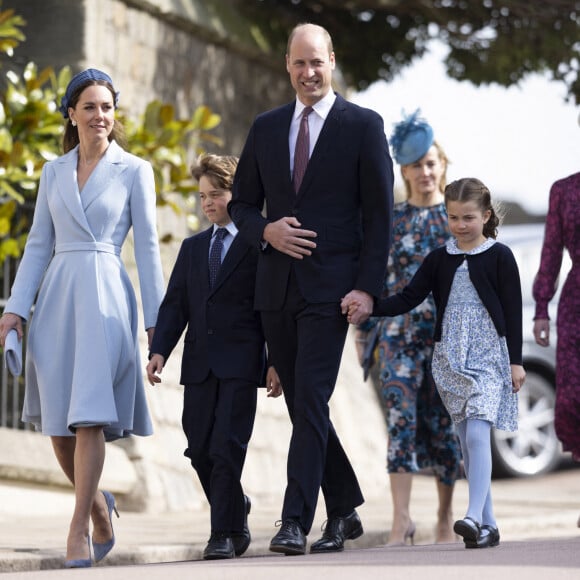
(534, 448)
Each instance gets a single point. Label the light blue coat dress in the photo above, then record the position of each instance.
(82, 364)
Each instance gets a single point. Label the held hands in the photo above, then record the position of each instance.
(286, 236)
(518, 377)
(542, 331)
(273, 384)
(8, 321)
(154, 368)
(357, 306)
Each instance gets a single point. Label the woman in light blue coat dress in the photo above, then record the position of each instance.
(83, 379)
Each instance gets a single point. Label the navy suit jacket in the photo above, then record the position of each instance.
(224, 333)
(346, 197)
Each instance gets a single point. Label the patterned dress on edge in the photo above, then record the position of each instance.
(421, 433)
(563, 231)
(471, 363)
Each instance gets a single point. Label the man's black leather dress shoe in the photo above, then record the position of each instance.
(335, 533)
(242, 540)
(488, 538)
(290, 540)
(468, 529)
(219, 547)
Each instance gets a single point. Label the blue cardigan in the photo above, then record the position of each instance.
(495, 275)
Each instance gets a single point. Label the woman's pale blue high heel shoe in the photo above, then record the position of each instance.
(101, 550)
(81, 563)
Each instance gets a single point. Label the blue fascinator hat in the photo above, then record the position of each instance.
(90, 74)
(411, 139)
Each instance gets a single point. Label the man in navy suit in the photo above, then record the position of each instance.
(325, 235)
(211, 292)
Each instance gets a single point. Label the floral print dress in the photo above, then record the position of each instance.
(471, 363)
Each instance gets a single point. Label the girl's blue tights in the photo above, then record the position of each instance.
(475, 439)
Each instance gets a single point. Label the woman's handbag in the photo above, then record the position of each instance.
(13, 353)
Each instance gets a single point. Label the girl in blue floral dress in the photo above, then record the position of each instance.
(477, 359)
(420, 432)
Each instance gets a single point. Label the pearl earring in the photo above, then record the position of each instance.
(74, 123)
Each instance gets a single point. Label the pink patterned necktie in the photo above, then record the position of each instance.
(302, 151)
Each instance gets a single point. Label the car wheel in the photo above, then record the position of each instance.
(534, 448)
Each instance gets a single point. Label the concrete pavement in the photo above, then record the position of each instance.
(555, 559)
(34, 525)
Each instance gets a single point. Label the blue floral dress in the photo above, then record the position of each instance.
(471, 364)
(421, 433)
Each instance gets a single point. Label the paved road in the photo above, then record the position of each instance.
(537, 520)
(533, 560)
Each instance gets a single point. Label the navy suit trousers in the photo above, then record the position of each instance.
(218, 418)
(305, 343)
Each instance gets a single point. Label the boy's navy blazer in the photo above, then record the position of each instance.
(224, 333)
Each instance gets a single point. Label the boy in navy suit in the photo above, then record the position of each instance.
(211, 293)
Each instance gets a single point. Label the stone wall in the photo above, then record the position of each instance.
(187, 53)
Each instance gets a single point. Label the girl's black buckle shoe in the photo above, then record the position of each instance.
(468, 529)
(488, 538)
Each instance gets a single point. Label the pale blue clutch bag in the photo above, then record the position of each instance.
(13, 353)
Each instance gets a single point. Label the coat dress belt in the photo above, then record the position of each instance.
(88, 247)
